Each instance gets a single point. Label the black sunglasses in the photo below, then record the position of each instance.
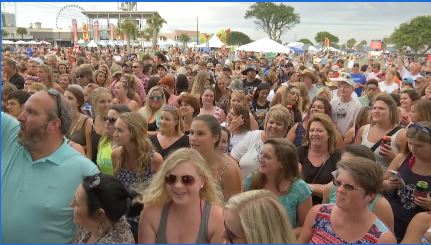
(80, 76)
(57, 96)
(185, 179)
(110, 120)
(417, 126)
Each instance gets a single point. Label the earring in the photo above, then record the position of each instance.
(202, 186)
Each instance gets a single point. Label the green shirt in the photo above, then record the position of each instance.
(36, 195)
(104, 159)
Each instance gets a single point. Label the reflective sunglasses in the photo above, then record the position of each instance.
(155, 98)
(171, 179)
(110, 120)
(57, 96)
(348, 187)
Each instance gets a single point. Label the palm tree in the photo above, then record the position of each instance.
(155, 24)
(21, 31)
(129, 28)
(184, 38)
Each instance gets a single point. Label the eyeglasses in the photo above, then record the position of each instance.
(110, 120)
(371, 89)
(185, 179)
(135, 66)
(79, 76)
(155, 97)
(348, 187)
(58, 100)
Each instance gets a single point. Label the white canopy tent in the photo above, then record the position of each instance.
(312, 49)
(33, 42)
(92, 44)
(264, 45)
(7, 42)
(213, 42)
(21, 42)
(296, 45)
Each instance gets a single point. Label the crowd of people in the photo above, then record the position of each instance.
(183, 146)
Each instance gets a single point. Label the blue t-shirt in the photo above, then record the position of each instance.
(360, 79)
(299, 191)
(36, 195)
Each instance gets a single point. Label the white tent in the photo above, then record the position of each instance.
(92, 44)
(312, 49)
(20, 42)
(264, 45)
(110, 43)
(45, 42)
(33, 42)
(7, 42)
(296, 45)
(191, 44)
(102, 43)
(214, 42)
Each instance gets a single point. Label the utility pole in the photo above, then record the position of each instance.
(197, 30)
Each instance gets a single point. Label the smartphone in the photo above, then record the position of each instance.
(396, 175)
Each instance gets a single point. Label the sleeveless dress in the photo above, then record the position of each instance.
(323, 232)
(383, 161)
(202, 238)
(402, 200)
(183, 141)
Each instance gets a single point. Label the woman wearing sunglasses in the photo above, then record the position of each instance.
(257, 217)
(125, 92)
(170, 136)
(106, 142)
(153, 108)
(278, 172)
(413, 165)
(357, 181)
(181, 204)
(134, 161)
(204, 137)
(99, 206)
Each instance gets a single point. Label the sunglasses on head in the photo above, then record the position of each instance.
(110, 120)
(348, 187)
(57, 96)
(171, 179)
(155, 97)
(420, 127)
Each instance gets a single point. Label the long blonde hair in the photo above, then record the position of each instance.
(198, 83)
(137, 126)
(263, 218)
(157, 194)
(146, 110)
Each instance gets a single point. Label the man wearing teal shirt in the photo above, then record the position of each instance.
(40, 172)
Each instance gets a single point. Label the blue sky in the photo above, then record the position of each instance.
(362, 21)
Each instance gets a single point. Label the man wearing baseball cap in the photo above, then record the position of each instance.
(344, 107)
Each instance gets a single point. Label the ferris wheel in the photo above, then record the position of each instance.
(67, 13)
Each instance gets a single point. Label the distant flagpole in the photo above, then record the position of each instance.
(197, 30)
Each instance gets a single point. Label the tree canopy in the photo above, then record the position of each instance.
(237, 38)
(416, 34)
(351, 43)
(21, 31)
(320, 37)
(130, 29)
(154, 25)
(184, 38)
(274, 19)
(305, 41)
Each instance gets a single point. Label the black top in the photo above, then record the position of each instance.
(249, 87)
(152, 126)
(256, 109)
(17, 80)
(181, 142)
(312, 175)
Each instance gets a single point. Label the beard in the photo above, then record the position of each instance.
(30, 138)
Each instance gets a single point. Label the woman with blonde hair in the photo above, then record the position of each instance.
(257, 217)
(421, 111)
(125, 90)
(181, 204)
(101, 78)
(153, 107)
(246, 152)
(278, 172)
(318, 154)
(170, 136)
(45, 76)
(202, 80)
(134, 161)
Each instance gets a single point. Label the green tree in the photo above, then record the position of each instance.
(274, 19)
(184, 38)
(222, 35)
(351, 43)
(4, 33)
(385, 42)
(416, 34)
(237, 38)
(305, 41)
(130, 29)
(361, 45)
(320, 37)
(21, 31)
(155, 24)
